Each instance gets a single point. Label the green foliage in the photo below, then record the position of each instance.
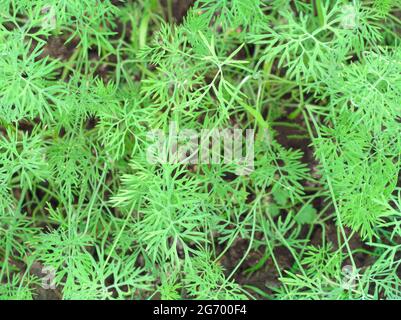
(84, 87)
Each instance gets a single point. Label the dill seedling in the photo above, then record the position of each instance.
(84, 82)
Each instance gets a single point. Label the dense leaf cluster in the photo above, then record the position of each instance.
(82, 82)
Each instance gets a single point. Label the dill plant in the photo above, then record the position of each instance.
(319, 81)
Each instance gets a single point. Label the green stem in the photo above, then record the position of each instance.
(320, 12)
(70, 62)
(170, 11)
